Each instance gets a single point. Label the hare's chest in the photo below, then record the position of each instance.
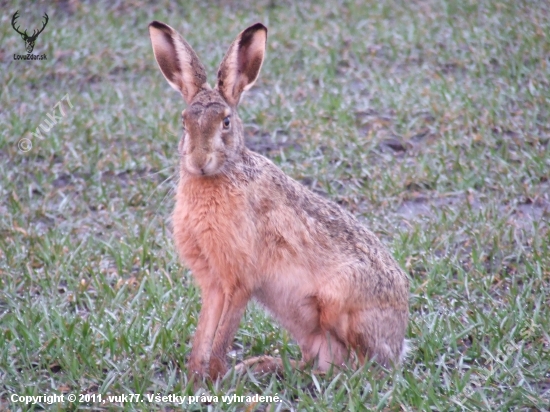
(212, 227)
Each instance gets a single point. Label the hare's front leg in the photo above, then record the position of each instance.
(233, 310)
(209, 318)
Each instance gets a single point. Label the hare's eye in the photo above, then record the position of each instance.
(226, 122)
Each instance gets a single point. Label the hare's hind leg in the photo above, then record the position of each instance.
(265, 364)
(324, 350)
(379, 334)
(320, 350)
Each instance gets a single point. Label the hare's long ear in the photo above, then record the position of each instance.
(177, 61)
(241, 65)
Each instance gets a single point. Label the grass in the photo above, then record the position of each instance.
(429, 120)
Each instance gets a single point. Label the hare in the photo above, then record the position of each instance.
(247, 230)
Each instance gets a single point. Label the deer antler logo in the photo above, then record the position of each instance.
(29, 40)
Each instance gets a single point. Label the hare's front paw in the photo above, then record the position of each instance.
(197, 370)
(218, 367)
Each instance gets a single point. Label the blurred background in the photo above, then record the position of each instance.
(429, 120)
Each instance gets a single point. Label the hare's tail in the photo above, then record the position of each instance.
(405, 351)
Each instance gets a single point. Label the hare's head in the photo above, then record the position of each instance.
(213, 133)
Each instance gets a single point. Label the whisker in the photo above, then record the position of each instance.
(170, 193)
(159, 171)
(170, 177)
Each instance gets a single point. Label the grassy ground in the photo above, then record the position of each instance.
(430, 120)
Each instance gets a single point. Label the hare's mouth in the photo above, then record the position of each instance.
(204, 167)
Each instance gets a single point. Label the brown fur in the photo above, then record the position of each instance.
(247, 230)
